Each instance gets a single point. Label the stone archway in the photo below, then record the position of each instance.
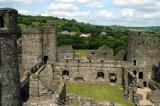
(100, 75)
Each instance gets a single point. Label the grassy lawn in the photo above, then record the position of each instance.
(99, 92)
(82, 53)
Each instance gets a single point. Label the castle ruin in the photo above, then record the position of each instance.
(45, 68)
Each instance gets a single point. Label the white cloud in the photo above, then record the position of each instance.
(139, 15)
(66, 1)
(70, 15)
(135, 3)
(128, 13)
(105, 13)
(27, 12)
(25, 2)
(96, 4)
(145, 5)
(68, 10)
(92, 3)
(62, 7)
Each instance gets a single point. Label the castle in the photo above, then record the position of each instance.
(44, 68)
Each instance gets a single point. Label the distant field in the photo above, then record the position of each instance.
(99, 92)
(82, 53)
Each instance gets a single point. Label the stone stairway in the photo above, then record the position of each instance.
(144, 92)
(25, 79)
(140, 84)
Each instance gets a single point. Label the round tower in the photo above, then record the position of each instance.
(9, 74)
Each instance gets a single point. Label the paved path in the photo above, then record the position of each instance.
(144, 92)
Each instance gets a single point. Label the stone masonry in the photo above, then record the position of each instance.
(9, 73)
(45, 69)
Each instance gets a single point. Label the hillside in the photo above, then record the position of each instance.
(74, 26)
(112, 36)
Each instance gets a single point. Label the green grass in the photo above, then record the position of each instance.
(82, 53)
(99, 92)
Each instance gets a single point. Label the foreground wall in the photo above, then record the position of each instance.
(9, 73)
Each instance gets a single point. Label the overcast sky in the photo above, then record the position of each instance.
(101, 12)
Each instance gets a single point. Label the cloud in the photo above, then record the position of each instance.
(96, 4)
(145, 5)
(71, 15)
(139, 15)
(66, 9)
(27, 12)
(91, 3)
(62, 7)
(66, 1)
(25, 2)
(105, 13)
(129, 13)
(134, 3)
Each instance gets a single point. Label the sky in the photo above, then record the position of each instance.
(99, 12)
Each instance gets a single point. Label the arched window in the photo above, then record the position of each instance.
(140, 75)
(1, 22)
(112, 77)
(100, 75)
(65, 73)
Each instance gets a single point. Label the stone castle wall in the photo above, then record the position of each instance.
(38, 46)
(93, 72)
(103, 53)
(9, 72)
(49, 42)
(31, 49)
(143, 52)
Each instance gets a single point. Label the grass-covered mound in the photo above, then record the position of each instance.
(99, 92)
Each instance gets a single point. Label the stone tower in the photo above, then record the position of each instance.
(49, 43)
(9, 74)
(38, 47)
(143, 52)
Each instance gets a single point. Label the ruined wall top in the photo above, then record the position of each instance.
(143, 41)
(103, 53)
(30, 30)
(8, 20)
(48, 29)
(8, 10)
(143, 49)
